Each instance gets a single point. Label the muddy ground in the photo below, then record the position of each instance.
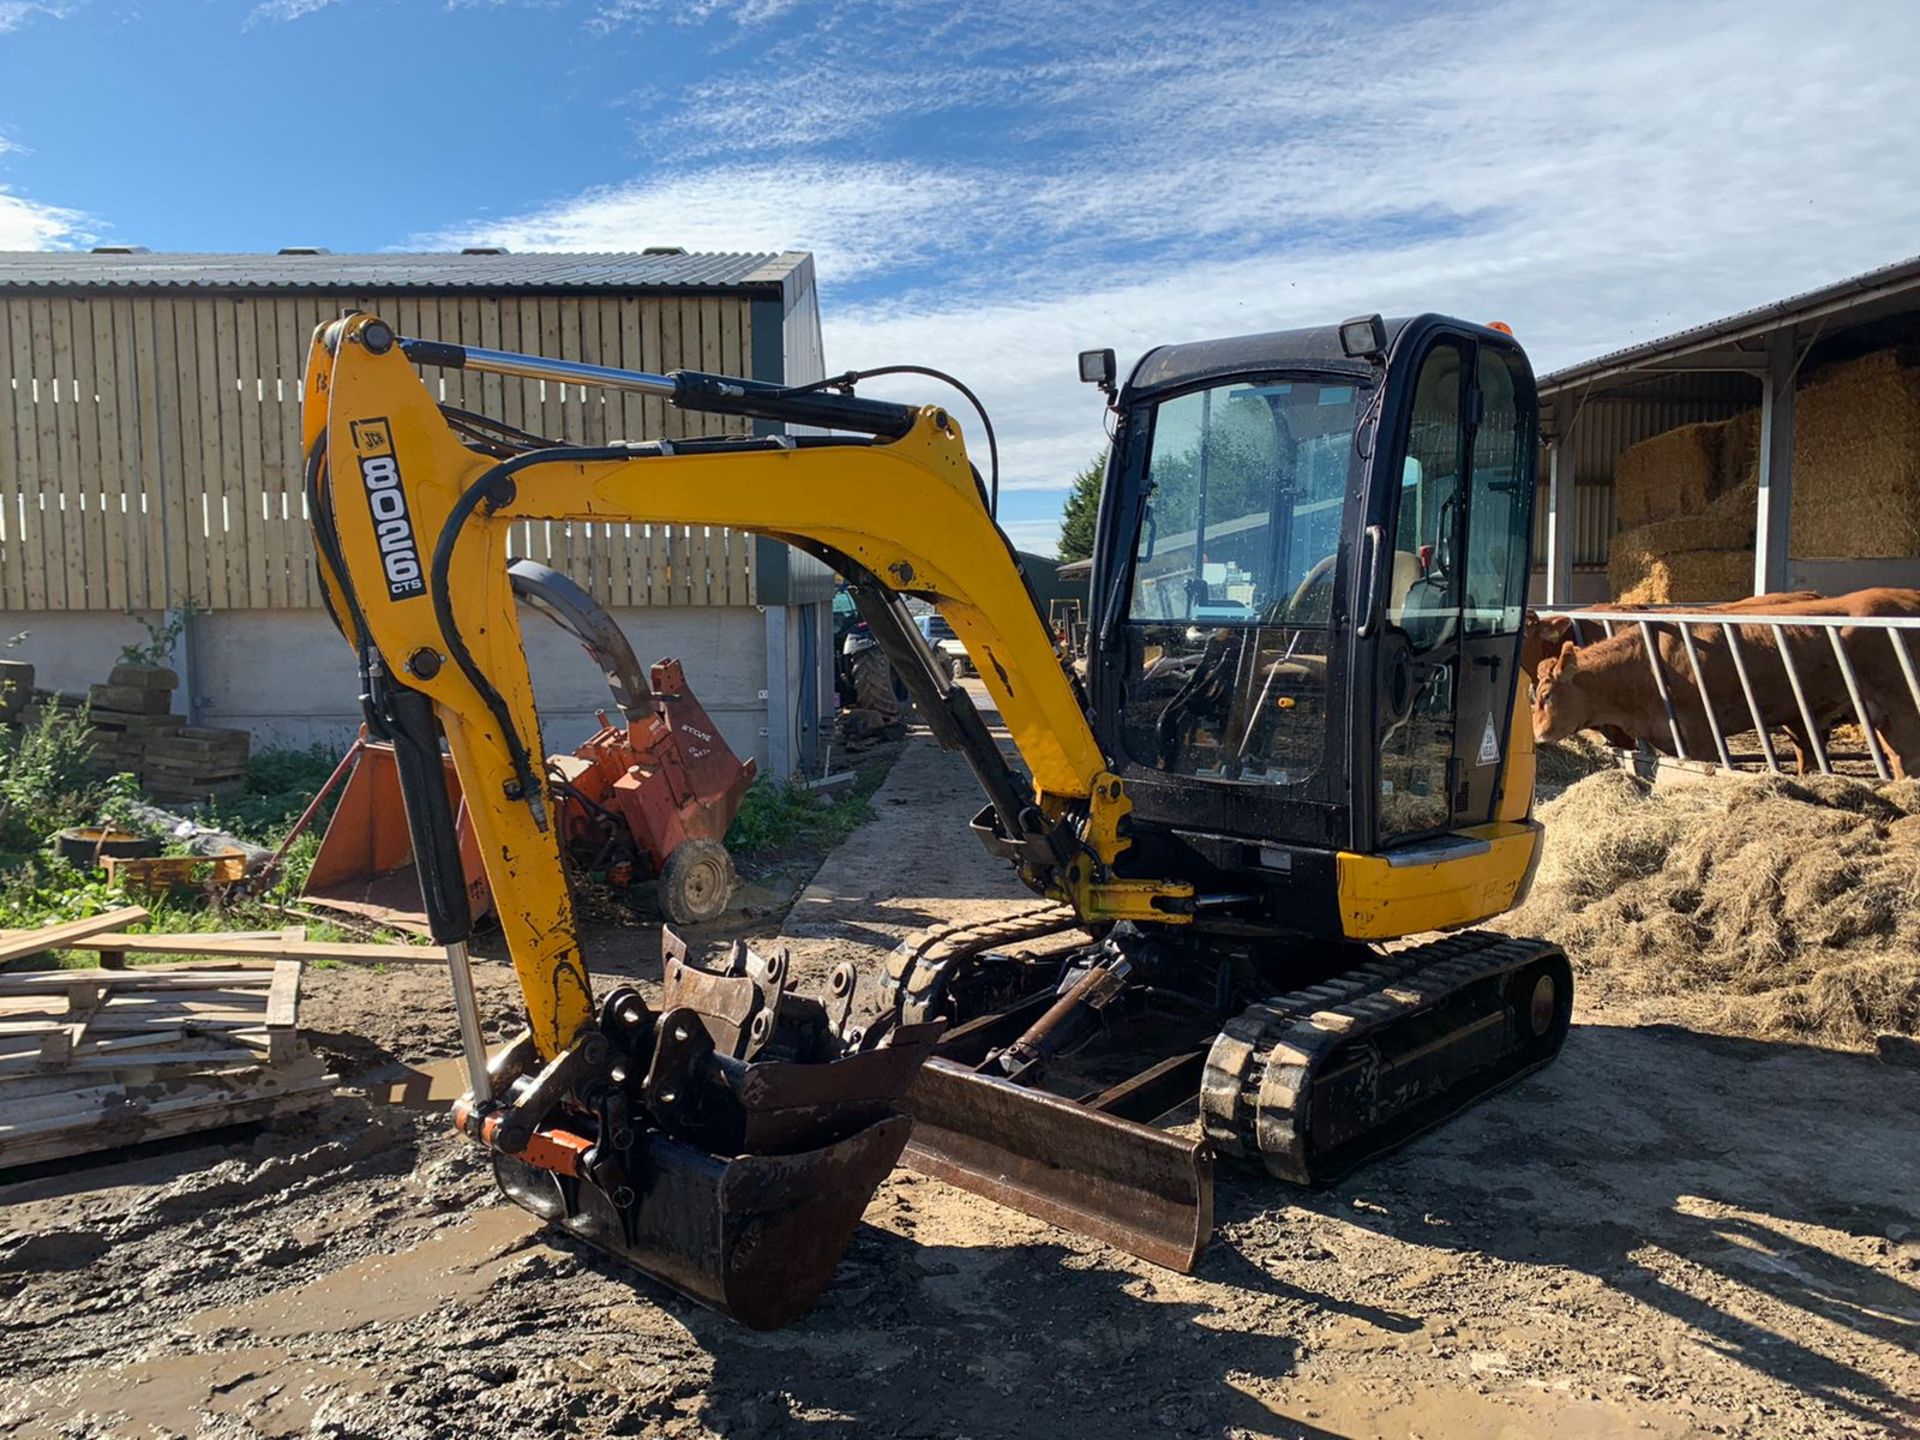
(1665, 1233)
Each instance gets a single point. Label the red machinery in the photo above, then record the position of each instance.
(653, 795)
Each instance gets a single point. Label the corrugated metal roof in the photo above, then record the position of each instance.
(1870, 289)
(615, 270)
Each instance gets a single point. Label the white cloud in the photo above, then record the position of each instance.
(614, 14)
(285, 10)
(15, 13)
(28, 225)
(1592, 175)
(857, 219)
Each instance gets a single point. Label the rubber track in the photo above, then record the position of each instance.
(1261, 1068)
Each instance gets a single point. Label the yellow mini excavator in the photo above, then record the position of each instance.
(1300, 749)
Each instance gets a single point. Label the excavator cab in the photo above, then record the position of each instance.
(1308, 596)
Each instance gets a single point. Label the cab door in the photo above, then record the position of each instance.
(1502, 445)
(1419, 648)
(1458, 526)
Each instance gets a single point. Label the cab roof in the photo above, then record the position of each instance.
(1175, 367)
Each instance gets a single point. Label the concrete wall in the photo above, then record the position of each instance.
(286, 676)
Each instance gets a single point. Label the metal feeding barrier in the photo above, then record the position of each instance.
(1896, 629)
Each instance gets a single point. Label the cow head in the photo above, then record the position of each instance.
(1560, 703)
(1542, 639)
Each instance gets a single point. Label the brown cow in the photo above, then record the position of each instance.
(1610, 683)
(1545, 636)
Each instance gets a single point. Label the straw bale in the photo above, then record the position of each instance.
(1739, 453)
(1684, 576)
(1764, 906)
(1725, 524)
(1856, 460)
(1671, 474)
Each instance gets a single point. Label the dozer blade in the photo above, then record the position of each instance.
(1137, 1188)
(756, 1237)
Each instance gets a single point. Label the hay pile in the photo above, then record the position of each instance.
(1765, 906)
(1674, 473)
(1856, 459)
(1560, 763)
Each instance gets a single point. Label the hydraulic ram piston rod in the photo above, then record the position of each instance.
(689, 389)
(535, 367)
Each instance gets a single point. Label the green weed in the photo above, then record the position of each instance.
(777, 817)
(46, 782)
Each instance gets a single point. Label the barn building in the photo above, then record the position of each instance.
(1776, 449)
(150, 468)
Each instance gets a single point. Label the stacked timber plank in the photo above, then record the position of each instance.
(128, 713)
(133, 730)
(196, 762)
(96, 1059)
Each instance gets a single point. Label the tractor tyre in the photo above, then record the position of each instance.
(697, 882)
(877, 688)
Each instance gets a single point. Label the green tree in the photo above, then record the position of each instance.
(1082, 508)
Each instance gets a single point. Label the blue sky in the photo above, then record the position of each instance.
(991, 187)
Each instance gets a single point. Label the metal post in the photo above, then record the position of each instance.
(1906, 664)
(1859, 705)
(1785, 643)
(1562, 513)
(1732, 632)
(1700, 684)
(1660, 683)
(185, 659)
(779, 695)
(466, 1008)
(1776, 466)
(1198, 587)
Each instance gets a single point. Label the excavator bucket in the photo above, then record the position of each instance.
(761, 1136)
(755, 1237)
(365, 862)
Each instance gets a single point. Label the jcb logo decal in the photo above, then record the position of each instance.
(392, 527)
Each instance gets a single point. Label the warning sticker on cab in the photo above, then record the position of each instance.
(387, 500)
(1490, 745)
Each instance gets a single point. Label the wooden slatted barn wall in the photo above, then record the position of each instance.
(151, 453)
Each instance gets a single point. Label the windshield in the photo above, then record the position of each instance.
(1246, 483)
(1234, 569)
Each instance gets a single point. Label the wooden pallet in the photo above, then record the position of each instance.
(18, 944)
(93, 1059)
(161, 874)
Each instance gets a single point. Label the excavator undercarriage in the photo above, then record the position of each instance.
(1091, 1083)
(1297, 753)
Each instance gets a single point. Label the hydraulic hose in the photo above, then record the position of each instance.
(496, 482)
